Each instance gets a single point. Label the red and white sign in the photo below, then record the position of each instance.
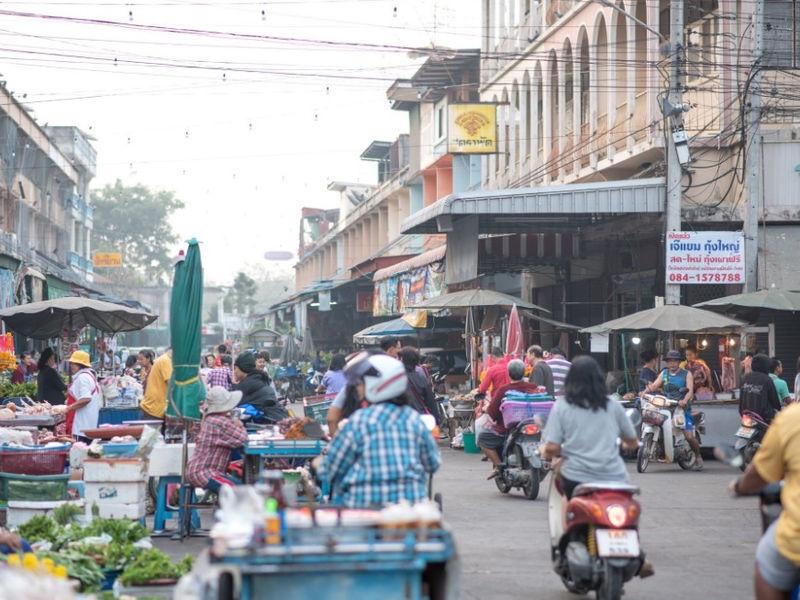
(705, 257)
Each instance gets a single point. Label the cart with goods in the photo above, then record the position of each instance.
(316, 407)
(261, 548)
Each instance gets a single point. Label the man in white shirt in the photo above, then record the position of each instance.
(84, 395)
(559, 365)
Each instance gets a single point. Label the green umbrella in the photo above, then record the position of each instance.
(186, 315)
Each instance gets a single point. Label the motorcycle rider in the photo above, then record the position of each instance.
(673, 381)
(758, 393)
(778, 458)
(583, 428)
(492, 440)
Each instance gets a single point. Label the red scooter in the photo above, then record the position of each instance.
(594, 537)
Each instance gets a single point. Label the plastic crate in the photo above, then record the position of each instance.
(16, 487)
(319, 411)
(116, 416)
(124, 449)
(28, 460)
(514, 411)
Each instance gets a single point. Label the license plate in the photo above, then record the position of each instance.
(529, 448)
(617, 542)
(745, 432)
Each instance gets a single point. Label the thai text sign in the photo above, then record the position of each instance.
(107, 259)
(705, 257)
(472, 128)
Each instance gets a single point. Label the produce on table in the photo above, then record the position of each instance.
(7, 415)
(78, 566)
(152, 565)
(45, 529)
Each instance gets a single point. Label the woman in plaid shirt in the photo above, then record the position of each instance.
(220, 434)
(384, 453)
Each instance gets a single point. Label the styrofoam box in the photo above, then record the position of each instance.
(19, 512)
(112, 510)
(119, 492)
(105, 470)
(166, 459)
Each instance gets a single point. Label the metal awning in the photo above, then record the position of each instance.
(517, 210)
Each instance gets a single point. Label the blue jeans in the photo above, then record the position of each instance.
(6, 549)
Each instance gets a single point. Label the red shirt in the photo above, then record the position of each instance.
(496, 376)
(493, 410)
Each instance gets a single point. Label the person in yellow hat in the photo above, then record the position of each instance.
(84, 396)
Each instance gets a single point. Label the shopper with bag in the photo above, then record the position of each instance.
(420, 392)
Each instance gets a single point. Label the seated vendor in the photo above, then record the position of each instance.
(492, 440)
(385, 452)
(220, 434)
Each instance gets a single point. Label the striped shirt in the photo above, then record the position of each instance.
(560, 367)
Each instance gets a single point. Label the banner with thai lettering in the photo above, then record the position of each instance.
(705, 257)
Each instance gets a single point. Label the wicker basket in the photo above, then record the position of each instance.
(33, 461)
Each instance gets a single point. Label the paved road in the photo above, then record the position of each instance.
(701, 541)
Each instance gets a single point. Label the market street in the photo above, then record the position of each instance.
(701, 541)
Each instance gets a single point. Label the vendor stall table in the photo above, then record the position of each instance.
(256, 453)
(46, 421)
(342, 562)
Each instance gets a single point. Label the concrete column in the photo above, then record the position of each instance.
(383, 232)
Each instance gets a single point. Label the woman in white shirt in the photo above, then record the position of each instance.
(84, 397)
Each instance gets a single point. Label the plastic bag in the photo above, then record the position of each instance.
(148, 440)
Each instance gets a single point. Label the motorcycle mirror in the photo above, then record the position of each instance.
(635, 417)
(729, 455)
(430, 422)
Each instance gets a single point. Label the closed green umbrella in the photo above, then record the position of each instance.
(186, 315)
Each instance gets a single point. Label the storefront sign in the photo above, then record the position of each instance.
(111, 260)
(472, 128)
(705, 257)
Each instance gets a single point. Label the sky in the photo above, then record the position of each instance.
(236, 106)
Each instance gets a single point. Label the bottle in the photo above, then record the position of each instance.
(272, 522)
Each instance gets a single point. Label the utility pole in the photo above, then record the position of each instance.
(752, 141)
(673, 110)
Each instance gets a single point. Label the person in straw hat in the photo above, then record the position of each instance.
(83, 397)
(220, 434)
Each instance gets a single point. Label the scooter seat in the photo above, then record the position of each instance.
(585, 489)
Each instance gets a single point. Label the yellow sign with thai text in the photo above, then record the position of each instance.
(109, 260)
(472, 129)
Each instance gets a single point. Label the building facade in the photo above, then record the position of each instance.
(45, 219)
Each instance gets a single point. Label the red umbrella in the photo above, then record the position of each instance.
(514, 342)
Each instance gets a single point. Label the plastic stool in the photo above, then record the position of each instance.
(163, 510)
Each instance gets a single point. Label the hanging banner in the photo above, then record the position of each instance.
(394, 294)
(364, 302)
(705, 257)
(472, 128)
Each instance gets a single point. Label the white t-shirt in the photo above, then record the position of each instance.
(85, 386)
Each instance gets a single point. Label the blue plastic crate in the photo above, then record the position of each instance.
(116, 416)
(120, 449)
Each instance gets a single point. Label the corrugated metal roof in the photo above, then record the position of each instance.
(512, 210)
(420, 260)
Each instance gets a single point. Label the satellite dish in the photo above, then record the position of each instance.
(278, 255)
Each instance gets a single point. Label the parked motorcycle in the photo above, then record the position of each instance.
(594, 537)
(662, 437)
(749, 435)
(523, 467)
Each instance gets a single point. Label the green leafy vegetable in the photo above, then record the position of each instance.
(66, 513)
(120, 530)
(80, 567)
(40, 529)
(154, 564)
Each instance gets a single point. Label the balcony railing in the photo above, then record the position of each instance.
(81, 211)
(76, 261)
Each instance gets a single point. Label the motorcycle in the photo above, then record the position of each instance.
(594, 537)
(749, 435)
(662, 436)
(523, 467)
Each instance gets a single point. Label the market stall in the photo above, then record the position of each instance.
(672, 326)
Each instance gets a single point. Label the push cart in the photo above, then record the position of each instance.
(316, 407)
(257, 454)
(340, 562)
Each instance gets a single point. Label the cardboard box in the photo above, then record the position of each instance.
(108, 470)
(116, 492)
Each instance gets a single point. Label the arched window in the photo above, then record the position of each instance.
(554, 121)
(583, 50)
(515, 125)
(621, 62)
(569, 88)
(527, 141)
(538, 84)
(601, 89)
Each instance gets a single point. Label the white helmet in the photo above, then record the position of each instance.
(384, 379)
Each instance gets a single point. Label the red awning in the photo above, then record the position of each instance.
(420, 260)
